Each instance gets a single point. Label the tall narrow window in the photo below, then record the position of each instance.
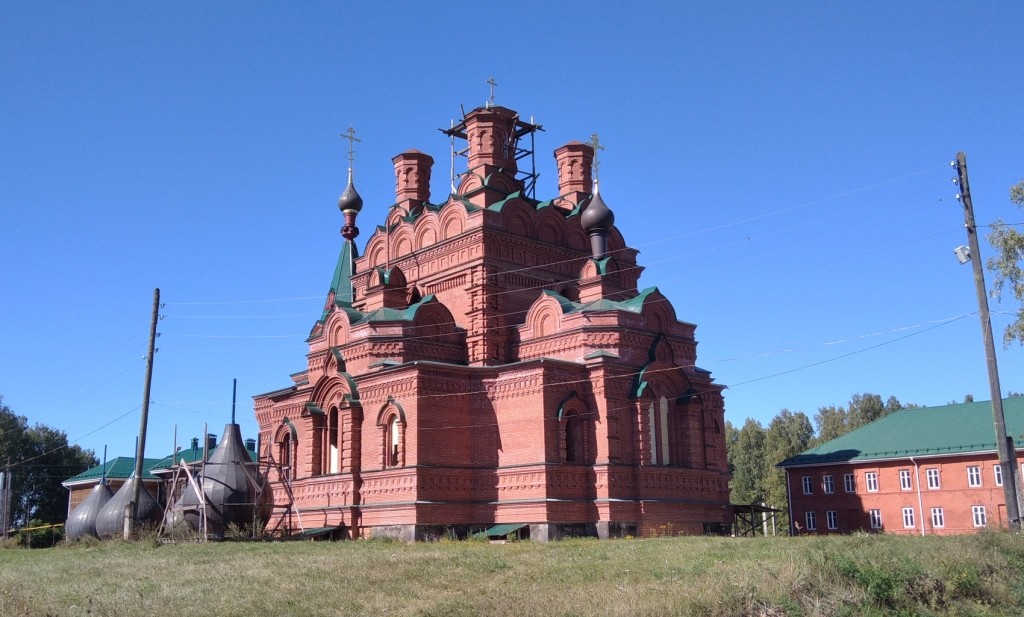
(974, 476)
(808, 485)
(654, 434)
(938, 518)
(827, 484)
(664, 431)
(286, 454)
(905, 483)
(394, 442)
(997, 473)
(812, 521)
(908, 518)
(333, 455)
(932, 474)
(572, 439)
(832, 519)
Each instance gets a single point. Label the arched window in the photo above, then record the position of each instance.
(393, 441)
(286, 455)
(574, 439)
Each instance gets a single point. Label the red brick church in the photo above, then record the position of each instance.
(489, 360)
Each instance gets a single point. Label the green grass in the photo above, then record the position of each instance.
(768, 577)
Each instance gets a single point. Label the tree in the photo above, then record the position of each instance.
(831, 422)
(40, 459)
(1006, 265)
(862, 409)
(788, 434)
(747, 460)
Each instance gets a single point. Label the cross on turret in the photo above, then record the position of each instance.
(492, 84)
(595, 143)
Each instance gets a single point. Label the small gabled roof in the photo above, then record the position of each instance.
(119, 468)
(926, 431)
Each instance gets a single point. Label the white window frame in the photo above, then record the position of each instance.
(934, 481)
(997, 474)
(875, 516)
(938, 518)
(974, 476)
(811, 519)
(908, 518)
(905, 482)
(979, 516)
(832, 519)
(871, 481)
(828, 484)
(850, 482)
(808, 482)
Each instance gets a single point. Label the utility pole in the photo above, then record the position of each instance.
(1004, 443)
(140, 449)
(5, 498)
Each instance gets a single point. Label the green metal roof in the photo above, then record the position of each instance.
(927, 431)
(502, 530)
(119, 468)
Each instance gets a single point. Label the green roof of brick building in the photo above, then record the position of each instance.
(120, 468)
(927, 431)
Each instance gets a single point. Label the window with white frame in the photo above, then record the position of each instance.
(978, 516)
(908, 518)
(938, 518)
(997, 474)
(973, 476)
(932, 473)
(808, 485)
(871, 480)
(875, 516)
(850, 483)
(812, 521)
(905, 483)
(827, 484)
(832, 519)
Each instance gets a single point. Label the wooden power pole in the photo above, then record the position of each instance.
(1004, 443)
(140, 449)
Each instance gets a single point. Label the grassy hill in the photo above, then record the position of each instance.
(979, 574)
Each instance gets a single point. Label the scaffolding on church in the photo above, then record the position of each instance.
(284, 477)
(522, 129)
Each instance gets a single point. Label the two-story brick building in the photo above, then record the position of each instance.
(490, 360)
(931, 470)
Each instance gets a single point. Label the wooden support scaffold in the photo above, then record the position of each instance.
(266, 464)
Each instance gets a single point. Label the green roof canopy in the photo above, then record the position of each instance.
(926, 431)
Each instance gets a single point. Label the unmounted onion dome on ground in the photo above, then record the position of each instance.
(231, 484)
(110, 520)
(82, 521)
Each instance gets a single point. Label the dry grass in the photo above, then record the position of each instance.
(853, 575)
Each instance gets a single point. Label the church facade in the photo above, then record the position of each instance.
(490, 360)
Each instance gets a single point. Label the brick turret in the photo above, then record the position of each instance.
(412, 180)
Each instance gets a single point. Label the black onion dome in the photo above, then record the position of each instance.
(82, 521)
(230, 491)
(350, 201)
(597, 215)
(110, 519)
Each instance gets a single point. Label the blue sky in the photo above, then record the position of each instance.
(782, 167)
